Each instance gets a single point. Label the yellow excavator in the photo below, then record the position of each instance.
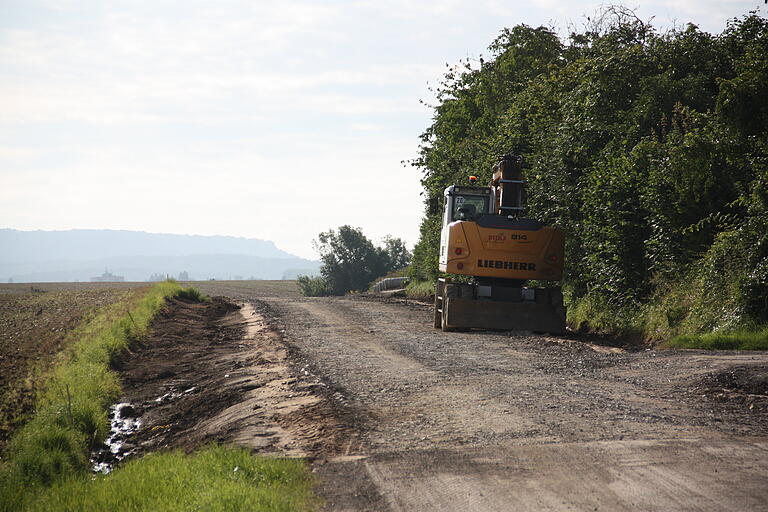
(486, 236)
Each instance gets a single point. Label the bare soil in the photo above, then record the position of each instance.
(26, 288)
(214, 372)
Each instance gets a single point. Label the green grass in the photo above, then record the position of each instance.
(70, 416)
(215, 478)
(675, 317)
(739, 340)
(421, 290)
(592, 314)
(313, 286)
(193, 294)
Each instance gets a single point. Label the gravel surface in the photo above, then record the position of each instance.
(419, 387)
(462, 405)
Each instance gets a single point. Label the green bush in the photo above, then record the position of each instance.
(422, 290)
(313, 286)
(351, 261)
(594, 313)
(192, 294)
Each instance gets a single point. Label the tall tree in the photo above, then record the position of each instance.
(350, 261)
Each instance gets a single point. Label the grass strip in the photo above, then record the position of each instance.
(739, 340)
(215, 478)
(420, 290)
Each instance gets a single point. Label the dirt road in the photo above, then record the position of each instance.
(500, 421)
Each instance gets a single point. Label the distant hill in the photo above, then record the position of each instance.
(78, 255)
(92, 244)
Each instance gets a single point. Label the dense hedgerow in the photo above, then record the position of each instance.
(649, 149)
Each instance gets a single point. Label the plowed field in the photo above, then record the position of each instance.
(35, 321)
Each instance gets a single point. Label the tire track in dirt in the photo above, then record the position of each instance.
(457, 386)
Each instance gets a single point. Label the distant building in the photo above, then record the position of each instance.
(107, 276)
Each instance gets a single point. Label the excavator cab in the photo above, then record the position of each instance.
(461, 203)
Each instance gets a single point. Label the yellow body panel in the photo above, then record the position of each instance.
(503, 253)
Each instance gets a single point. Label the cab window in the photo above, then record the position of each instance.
(466, 207)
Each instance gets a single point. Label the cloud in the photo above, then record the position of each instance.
(9, 154)
(131, 68)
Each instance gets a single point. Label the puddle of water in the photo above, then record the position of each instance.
(123, 422)
(172, 395)
(167, 397)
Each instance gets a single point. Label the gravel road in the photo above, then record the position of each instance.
(514, 421)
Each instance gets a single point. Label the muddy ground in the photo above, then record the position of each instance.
(214, 372)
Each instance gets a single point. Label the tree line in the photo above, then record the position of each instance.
(648, 148)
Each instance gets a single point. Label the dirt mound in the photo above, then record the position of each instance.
(215, 372)
(740, 387)
(747, 379)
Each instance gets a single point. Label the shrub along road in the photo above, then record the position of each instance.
(493, 421)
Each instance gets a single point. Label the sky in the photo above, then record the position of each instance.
(260, 119)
